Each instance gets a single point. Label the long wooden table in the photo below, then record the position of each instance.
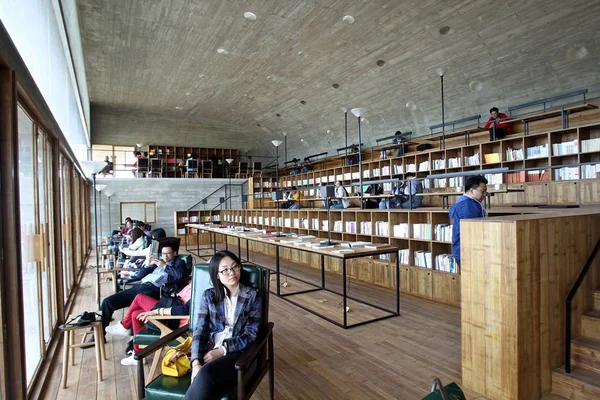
(279, 242)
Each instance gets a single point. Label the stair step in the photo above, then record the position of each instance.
(585, 353)
(580, 384)
(590, 325)
(597, 300)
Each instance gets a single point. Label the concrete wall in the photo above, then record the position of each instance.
(170, 195)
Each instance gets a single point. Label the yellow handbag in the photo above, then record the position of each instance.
(177, 362)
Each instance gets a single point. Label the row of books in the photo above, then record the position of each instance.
(564, 148)
(566, 173)
(446, 263)
(424, 166)
(590, 145)
(537, 151)
(472, 160)
(538, 175)
(454, 162)
(439, 164)
(443, 232)
(495, 179)
(514, 154)
(192, 219)
(422, 231)
(590, 171)
(423, 258)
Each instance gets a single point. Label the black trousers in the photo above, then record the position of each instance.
(214, 378)
(124, 299)
(500, 133)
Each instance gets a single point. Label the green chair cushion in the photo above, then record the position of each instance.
(170, 388)
(147, 338)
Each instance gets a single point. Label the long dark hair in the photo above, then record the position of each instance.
(135, 234)
(213, 269)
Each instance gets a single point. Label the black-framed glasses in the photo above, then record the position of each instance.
(227, 271)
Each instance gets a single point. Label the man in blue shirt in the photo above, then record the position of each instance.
(469, 205)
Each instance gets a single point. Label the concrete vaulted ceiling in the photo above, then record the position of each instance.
(155, 71)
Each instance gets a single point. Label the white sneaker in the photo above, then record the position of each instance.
(131, 361)
(118, 330)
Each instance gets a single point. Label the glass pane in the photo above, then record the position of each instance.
(29, 244)
(124, 160)
(65, 210)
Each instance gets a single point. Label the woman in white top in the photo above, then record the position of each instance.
(137, 243)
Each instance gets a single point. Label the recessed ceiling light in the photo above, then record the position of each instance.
(475, 86)
(222, 51)
(445, 30)
(278, 115)
(411, 106)
(577, 52)
(302, 102)
(187, 93)
(336, 86)
(349, 19)
(302, 54)
(178, 108)
(380, 63)
(250, 15)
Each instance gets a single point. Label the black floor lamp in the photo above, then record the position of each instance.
(440, 72)
(359, 113)
(277, 194)
(229, 161)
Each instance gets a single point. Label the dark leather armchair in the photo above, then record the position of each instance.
(252, 366)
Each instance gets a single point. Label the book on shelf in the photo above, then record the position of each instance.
(403, 256)
(514, 154)
(565, 148)
(446, 263)
(423, 259)
(538, 175)
(401, 230)
(491, 158)
(590, 145)
(443, 232)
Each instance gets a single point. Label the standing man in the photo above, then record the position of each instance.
(498, 128)
(469, 205)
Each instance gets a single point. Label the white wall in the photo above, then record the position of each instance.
(36, 29)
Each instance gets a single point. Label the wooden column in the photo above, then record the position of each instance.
(12, 357)
(516, 274)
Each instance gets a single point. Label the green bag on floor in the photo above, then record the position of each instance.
(451, 392)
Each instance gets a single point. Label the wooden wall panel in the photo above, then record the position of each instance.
(513, 304)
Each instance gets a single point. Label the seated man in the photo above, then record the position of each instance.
(495, 123)
(159, 272)
(108, 168)
(413, 187)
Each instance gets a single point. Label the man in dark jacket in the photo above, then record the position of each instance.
(468, 206)
(159, 272)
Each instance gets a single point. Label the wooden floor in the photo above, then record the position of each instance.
(396, 358)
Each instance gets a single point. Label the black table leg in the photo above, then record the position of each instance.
(344, 293)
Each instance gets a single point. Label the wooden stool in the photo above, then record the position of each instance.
(69, 347)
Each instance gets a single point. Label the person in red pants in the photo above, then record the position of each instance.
(140, 309)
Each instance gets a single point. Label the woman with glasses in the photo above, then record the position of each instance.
(227, 322)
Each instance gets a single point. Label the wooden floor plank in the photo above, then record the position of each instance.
(396, 358)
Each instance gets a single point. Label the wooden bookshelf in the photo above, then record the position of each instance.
(541, 153)
(172, 157)
(362, 225)
(188, 235)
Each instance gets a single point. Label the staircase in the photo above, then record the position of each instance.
(584, 380)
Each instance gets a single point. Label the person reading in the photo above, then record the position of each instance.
(497, 126)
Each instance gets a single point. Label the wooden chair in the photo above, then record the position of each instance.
(155, 167)
(206, 169)
(254, 364)
(142, 168)
(242, 171)
(191, 168)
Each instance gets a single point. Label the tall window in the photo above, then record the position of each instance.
(30, 245)
(122, 157)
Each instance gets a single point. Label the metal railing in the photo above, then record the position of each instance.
(570, 297)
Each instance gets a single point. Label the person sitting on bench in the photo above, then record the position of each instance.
(496, 123)
(108, 168)
(413, 187)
